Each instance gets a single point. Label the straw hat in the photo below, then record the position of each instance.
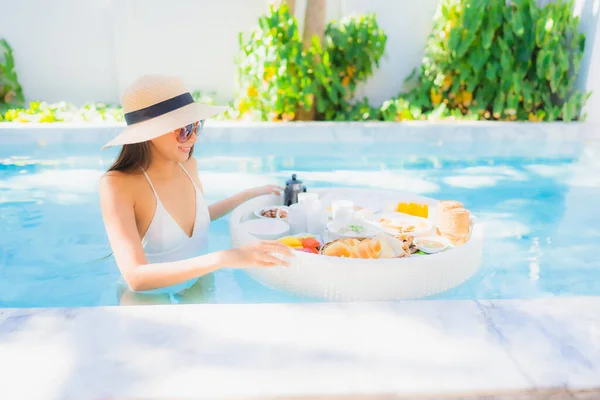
(157, 104)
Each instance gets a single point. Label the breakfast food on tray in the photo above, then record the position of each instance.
(374, 248)
(385, 235)
(356, 208)
(408, 244)
(306, 243)
(396, 224)
(341, 248)
(445, 205)
(382, 246)
(352, 229)
(432, 244)
(415, 209)
(355, 248)
(399, 226)
(272, 212)
(453, 221)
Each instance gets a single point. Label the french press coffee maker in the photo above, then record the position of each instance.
(292, 188)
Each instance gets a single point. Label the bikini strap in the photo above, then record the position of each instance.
(188, 174)
(150, 182)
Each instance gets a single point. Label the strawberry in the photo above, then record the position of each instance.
(310, 243)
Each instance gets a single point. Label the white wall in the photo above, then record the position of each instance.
(64, 49)
(589, 78)
(407, 26)
(194, 39)
(91, 50)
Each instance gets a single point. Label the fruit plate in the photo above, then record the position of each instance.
(300, 237)
(397, 223)
(303, 235)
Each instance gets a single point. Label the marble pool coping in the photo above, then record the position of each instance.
(441, 349)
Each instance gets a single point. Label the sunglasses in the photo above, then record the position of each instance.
(183, 134)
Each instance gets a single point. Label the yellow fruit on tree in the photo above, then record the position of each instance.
(350, 71)
(447, 82)
(243, 107)
(466, 97)
(436, 97)
(289, 116)
(252, 92)
(269, 72)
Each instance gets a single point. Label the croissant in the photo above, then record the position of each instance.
(342, 248)
(373, 248)
(354, 248)
(368, 249)
(454, 222)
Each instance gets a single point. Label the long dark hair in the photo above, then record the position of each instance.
(133, 156)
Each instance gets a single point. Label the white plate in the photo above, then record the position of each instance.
(368, 229)
(266, 228)
(421, 244)
(421, 225)
(258, 212)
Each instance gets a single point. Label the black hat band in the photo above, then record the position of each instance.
(158, 109)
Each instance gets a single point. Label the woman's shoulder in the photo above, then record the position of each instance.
(118, 183)
(118, 178)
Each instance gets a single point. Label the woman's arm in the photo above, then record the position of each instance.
(116, 199)
(224, 207)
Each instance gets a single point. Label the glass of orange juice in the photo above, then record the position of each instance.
(415, 209)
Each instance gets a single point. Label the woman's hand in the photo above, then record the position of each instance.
(262, 190)
(262, 254)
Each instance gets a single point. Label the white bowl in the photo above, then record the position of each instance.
(258, 212)
(432, 244)
(266, 228)
(344, 229)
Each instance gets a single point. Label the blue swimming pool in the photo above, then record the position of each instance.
(539, 207)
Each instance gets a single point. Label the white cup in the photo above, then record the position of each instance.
(342, 210)
(297, 218)
(307, 198)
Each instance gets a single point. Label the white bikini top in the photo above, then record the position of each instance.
(165, 241)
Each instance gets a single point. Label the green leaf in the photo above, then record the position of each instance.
(517, 24)
(540, 31)
(527, 91)
(506, 62)
(487, 35)
(455, 39)
(491, 71)
(499, 102)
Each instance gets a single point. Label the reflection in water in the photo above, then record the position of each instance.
(200, 292)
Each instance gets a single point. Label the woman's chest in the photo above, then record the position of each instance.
(174, 203)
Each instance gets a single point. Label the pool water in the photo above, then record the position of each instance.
(540, 212)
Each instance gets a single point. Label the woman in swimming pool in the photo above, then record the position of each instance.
(152, 200)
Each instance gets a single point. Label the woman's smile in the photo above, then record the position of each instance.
(185, 149)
